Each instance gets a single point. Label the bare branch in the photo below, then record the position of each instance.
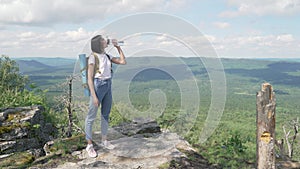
(290, 140)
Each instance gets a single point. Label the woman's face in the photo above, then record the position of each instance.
(103, 43)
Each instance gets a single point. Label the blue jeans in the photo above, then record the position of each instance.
(103, 92)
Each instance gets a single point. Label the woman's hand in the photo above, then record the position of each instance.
(95, 101)
(121, 60)
(115, 42)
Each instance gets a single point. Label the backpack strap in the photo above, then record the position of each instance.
(110, 62)
(97, 63)
(108, 56)
(96, 67)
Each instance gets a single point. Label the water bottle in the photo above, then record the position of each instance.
(119, 43)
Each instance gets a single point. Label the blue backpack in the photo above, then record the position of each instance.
(83, 60)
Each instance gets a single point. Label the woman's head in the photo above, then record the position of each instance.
(98, 44)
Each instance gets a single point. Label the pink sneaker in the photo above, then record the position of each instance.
(90, 150)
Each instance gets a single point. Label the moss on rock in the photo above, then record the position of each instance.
(18, 160)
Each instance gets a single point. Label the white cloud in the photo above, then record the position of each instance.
(70, 43)
(221, 25)
(26, 43)
(210, 38)
(283, 45)
(39, 12)
(162, 37)
(285, 38)
(44, 41)
(259, 7)
(176, 4)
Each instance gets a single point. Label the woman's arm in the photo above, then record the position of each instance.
(121, 60)
(91, 84)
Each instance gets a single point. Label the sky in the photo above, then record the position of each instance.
(233, 28)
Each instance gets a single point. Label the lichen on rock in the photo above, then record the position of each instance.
(17, 131)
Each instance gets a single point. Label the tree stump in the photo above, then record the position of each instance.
(265, 120)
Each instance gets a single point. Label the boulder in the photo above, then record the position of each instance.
(137, 127)
(139, 144)
(23, 128)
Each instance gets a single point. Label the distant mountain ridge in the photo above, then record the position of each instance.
(35, 64)
(57, 61)
(280, 59)
(31, 65)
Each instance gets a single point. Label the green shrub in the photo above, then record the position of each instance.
(234, 150)
(234, 144)
(13, 92)
(115, 117)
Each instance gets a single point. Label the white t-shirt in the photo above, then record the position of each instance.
(104, 66)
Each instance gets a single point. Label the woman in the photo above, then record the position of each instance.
(99, 82)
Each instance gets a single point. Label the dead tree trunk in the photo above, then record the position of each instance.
(265, 119)
(69, 108)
